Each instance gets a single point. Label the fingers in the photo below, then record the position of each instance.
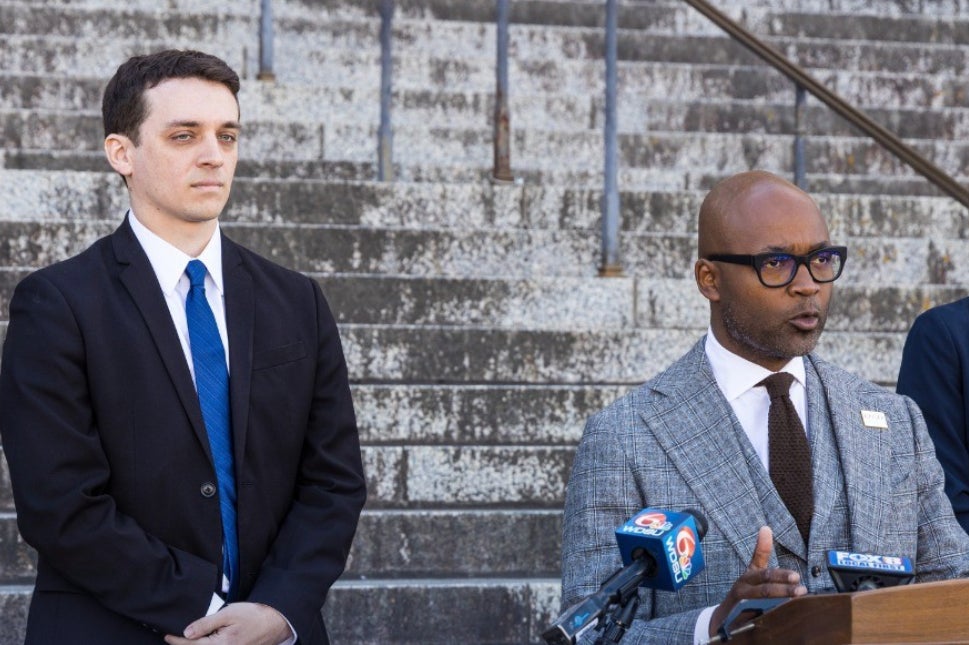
(178, 640)
(762, 581)
(771, 583)
(241, 623)
(207, 625)
(202, 631)
(763, 549)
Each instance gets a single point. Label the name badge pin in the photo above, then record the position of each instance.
(874, 419)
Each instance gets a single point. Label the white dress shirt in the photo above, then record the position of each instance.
(169, 264)
(737, 378)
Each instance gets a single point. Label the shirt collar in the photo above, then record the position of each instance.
(169, 262)
(736, 375)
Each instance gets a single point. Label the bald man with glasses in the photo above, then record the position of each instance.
(784, 454)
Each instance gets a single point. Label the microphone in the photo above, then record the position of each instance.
(863, 571)
(660, 550)
(669, 541)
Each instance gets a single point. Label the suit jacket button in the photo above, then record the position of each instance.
(816, 571)
(208, 489)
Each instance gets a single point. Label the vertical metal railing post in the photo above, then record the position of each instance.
(385, 135)
(266, 41)
(610, 265)
(502, 124)
(800, 102)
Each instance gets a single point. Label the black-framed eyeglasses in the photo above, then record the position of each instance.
(779, 269)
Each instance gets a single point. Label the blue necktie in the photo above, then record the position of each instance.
(212, 383)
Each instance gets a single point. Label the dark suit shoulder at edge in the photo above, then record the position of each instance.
(259, 263)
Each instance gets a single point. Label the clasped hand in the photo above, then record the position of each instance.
(240, 623)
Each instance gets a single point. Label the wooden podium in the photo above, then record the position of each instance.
(933, 612)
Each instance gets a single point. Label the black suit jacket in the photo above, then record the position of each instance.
(935, 372)
(110, 463)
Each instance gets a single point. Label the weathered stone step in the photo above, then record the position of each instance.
(505, 253)
(686, 152)
(549, 305)
(425, 442)
(557, 89)
(602, 305)
(18, 561)
(270, 123)
(933, 23)
(499, 357)
(633, 179)
(668, 17)
(300, 48)
(422, 477)
(477, 415)
(79, 196)
(553, 303)
(70, 22)
(494, 611)
(547, 151)
(616, 305)
(927, 27)
(434, 355)
(94, 161)
(84, 131)
(101, 56)
(476, 356)
(497, 611)
(6, 494)
(399, 544)
(859, 7)
(14, 602)
(538, 303)
(58, 195)
(451, 253)
(460, 543)
(563, 12)
(353, 250)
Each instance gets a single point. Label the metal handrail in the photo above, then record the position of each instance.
(610, 264)
(385, 133)
(266, 36)
(502, 123)
(856, 117)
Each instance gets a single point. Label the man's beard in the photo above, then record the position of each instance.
(782, 344)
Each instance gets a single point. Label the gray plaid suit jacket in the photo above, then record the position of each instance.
(675, 443)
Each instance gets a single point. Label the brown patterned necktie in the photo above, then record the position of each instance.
(789, 453)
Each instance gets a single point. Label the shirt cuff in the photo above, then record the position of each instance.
(701, 632)
(292, 638)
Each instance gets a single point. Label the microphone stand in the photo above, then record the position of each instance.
(620, 620)
(618, 589)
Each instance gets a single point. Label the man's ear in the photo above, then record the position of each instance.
(707, 279)
(118, 150)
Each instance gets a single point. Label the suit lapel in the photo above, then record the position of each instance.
(866, 459)
(239, 315)
(139, 280)
(825, 461)
(699, 432)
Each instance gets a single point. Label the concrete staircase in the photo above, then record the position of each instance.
(477, 333)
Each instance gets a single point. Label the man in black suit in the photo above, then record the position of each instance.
(143, 529)
(935, 372)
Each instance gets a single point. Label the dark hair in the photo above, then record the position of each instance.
(123, 107)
